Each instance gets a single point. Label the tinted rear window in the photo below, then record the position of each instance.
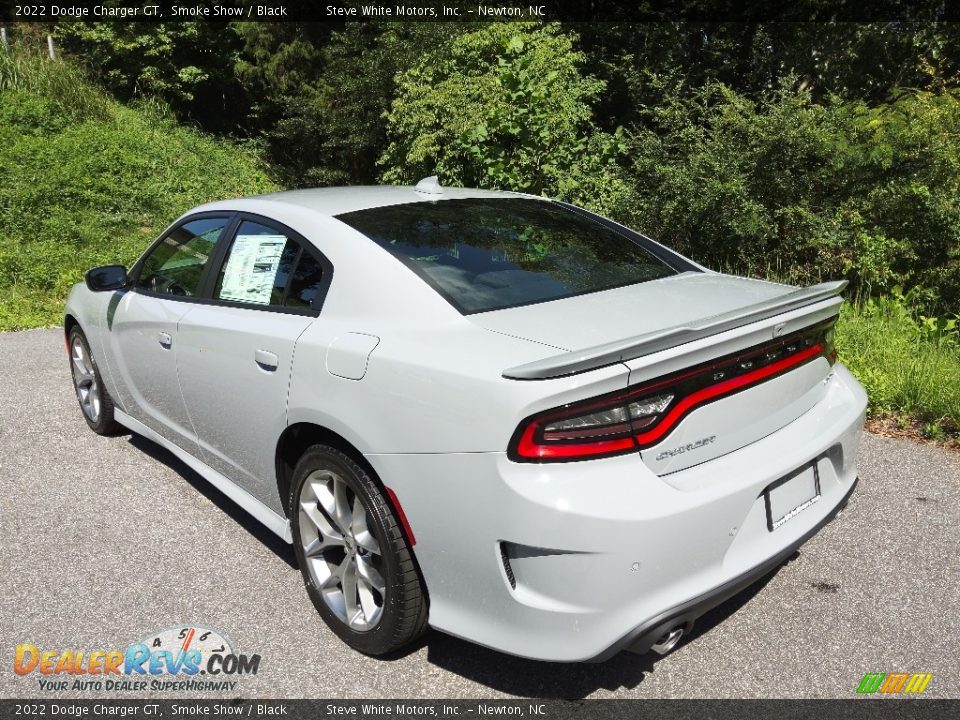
(492, 253)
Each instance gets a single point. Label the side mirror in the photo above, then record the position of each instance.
(107, 277)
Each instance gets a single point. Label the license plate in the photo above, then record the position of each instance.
(791, 495)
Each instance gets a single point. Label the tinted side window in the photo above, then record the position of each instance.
(258, 266)
(305, 287)
(174, 267)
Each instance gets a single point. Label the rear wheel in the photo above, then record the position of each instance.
(355, 560)
(95, 401)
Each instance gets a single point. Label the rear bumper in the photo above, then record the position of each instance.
(644, 636)
(574, 561)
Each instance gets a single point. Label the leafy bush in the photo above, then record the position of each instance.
(189, 65)
(86, 181)
(504, 107)
(320, 92)
(804, 191)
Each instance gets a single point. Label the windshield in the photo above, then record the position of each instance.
(492, 253)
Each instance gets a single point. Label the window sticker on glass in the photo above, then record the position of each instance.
(251, 268)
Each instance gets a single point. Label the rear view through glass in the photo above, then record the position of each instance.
(492, 253)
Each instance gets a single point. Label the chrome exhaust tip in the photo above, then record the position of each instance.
(668, 642)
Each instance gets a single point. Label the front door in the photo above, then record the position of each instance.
(143, 329)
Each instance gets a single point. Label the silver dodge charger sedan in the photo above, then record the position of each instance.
(495, 414)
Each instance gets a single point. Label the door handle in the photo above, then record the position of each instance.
(266, 360)
(165, 340)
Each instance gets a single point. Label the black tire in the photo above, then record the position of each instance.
(403, 615)
(103, 422)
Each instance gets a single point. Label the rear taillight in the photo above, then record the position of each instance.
(641, 416)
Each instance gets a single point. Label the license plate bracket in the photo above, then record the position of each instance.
(792, 494)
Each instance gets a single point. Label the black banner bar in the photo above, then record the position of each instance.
(890, 11)
(873, 708)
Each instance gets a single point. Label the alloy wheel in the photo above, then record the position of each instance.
(343, 557)
(85, 380)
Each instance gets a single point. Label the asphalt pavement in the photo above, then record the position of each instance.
(104, 541)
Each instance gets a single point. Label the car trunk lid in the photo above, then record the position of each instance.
(739, 359)
(585, 321)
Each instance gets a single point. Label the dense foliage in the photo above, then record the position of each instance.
(318, 93)
(190, 66)
(795, 189)
(793, 151)
(523, 116)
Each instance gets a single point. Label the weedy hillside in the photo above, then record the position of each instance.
(87, 180)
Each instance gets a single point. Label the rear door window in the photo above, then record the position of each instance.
(266, 267)
(306, 286)
(257, 266)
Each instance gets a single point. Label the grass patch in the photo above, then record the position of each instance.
(911, 372)
(85, 180)
(64, 85)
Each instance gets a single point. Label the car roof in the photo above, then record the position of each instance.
(332, 201)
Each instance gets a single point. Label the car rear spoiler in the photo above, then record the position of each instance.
(571, 363)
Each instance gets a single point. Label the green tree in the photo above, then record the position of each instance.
(790, 188)
(320, 91)
(852, 61)
(188, 65)
(504, 106)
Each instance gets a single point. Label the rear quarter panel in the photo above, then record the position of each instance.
(428, 390)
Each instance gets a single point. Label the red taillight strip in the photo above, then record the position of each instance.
(527, 448)
(725, 387)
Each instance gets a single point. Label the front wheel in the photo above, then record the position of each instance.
(355, 560)
(95, 401)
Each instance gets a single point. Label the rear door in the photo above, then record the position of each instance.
(142, 325)
(235, 352)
